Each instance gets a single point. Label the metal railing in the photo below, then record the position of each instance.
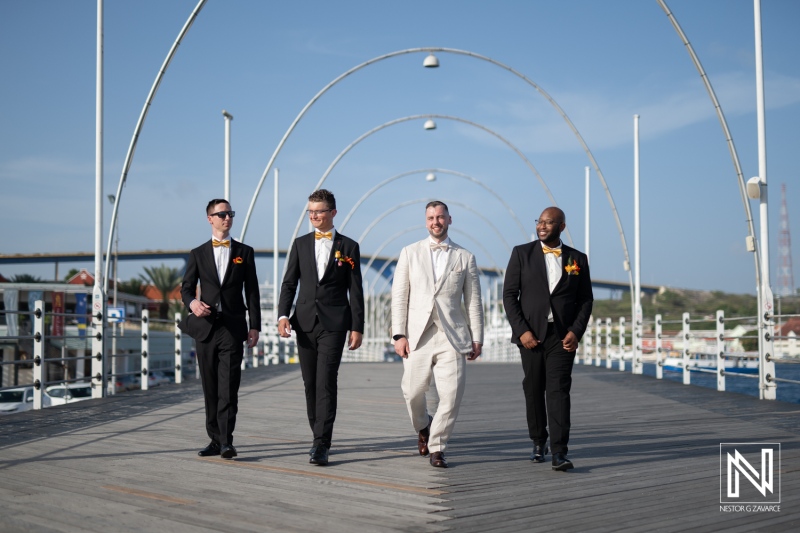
(710, 345)
(144, 346)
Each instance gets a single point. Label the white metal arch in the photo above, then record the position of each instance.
(441, 171)
(429, 50)
(428, 116)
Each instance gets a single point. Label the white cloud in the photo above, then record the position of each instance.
(605, 120)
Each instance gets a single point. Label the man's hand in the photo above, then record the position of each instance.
(355, 340)
(570, 342)
(476, 351)
(401, 347)
(528, 340)
(200, 308)
(284, 328)
(252, 338)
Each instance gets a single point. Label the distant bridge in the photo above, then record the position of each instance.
(145, 255)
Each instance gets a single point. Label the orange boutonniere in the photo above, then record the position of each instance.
(572, 267)
(343, 258)
(238, 260)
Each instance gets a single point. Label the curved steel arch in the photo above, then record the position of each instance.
(419, 201)
(442, 171)
(527, 80)
(139, 124)
(726, 132)
(428, 116)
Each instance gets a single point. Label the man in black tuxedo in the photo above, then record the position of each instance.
(327, 265)
(548, 298)
(225, 268)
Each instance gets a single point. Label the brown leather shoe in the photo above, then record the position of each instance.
(422, 442)
(438, 460)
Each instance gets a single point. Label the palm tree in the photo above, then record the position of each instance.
(164, 279)
(133, 286)
(26, 278)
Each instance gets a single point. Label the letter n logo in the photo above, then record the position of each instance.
(741, 460)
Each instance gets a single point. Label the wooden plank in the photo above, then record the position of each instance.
(646, 455)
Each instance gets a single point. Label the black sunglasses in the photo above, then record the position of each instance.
(223, 214)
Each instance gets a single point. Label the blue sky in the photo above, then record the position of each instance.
(602, 62)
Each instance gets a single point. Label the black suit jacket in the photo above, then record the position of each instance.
(326, 298)
(527, 298)
(236, 305)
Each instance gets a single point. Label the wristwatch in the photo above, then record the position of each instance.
(398, 337)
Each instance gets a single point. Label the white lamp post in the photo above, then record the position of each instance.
(98, 294)
(227, 190)
(767, 385)
(636, 362)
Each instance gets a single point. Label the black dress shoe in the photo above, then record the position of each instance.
(320, 457)
(561, 463)
(539, 451)
(438, 460)
(210, 450)
(228, 452)
(312, 451)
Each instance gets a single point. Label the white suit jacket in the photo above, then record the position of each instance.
(414, 296)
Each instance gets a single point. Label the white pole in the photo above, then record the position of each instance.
(637, 282)
(586, 218)
(767, 366)
(98, 298)
(98, 154)
(228, 118)
(111, 384)
(275, 254)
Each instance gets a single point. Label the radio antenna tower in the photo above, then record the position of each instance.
(785, 285)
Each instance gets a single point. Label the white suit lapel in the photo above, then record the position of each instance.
(452, 257)
(424, 251)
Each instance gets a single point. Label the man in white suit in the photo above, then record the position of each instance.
(430, 330)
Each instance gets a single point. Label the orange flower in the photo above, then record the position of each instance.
(572, 267)
(238, 260)
(340, 258)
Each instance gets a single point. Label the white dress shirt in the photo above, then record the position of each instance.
(222, 256)
(439, 258)
(554, 271)
(322, 251)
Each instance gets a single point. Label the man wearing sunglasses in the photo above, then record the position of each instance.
(227, 296)
(327, 266)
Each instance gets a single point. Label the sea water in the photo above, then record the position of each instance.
(787, 392)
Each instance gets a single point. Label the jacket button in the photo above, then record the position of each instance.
(317, 284)
(316, 299)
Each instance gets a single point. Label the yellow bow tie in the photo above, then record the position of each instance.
(215, 243)
(438, 246)
(554, 251)
(320, 235)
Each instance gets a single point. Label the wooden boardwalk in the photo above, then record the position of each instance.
(647, 456)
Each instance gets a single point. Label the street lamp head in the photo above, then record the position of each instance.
(431, 61)
(227, 115)
(429, 124)
(430, 177)
(754, 188)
